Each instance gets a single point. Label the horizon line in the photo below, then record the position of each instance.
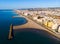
(29, 8)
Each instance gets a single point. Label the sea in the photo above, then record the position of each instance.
(22, 36)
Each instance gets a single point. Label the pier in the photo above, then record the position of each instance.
(11, 35)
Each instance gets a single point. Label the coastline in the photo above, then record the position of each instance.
(35, 26)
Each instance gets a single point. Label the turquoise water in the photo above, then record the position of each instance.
(23, 36)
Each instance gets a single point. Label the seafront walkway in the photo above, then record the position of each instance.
(32, 24)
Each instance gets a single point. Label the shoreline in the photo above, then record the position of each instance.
(37, 31)
(55, 35)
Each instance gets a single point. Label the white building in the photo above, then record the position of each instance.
(34, 18)
(25, 14)
(54, 26)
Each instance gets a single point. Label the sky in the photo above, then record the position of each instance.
(16, 4)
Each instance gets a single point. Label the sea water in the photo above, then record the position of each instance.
(23, 36)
